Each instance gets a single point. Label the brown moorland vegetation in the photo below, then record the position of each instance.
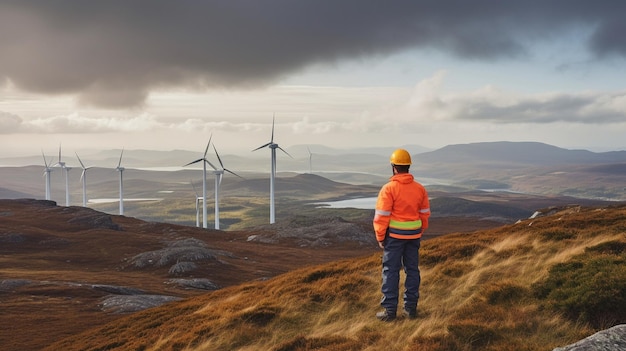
(64, 270)
(534, 285)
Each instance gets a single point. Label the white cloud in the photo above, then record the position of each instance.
(76, 123)
(429, 104)
(9, 123)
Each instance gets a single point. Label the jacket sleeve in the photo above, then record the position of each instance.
(382, 214)
(424, 211)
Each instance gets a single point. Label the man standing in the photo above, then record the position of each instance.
(401, 217)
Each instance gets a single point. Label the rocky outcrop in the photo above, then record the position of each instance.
(134, 303)
(612, 339)
(94, 220)
(185, 250)
(194, 283)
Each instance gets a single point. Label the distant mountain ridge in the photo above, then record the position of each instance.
(528, 153)
(322, 156)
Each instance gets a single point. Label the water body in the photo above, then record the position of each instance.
(104, 201)
(368, 203)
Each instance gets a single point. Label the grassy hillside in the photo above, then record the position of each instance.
(538, 284)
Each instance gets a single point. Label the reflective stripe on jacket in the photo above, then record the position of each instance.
(402, 208)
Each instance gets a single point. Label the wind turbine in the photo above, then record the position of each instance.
(67, 177)
(273, 146)
(83, 179)
(204, 162)
(219, 173)
(310, 160)
(198, 199)
(120, 169)
(46, 174)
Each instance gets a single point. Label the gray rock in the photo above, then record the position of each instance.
(182, 267)
(93, 219)
(118, 290)
(196, 283)
(171, 255)
(12, 238)
(134, 303)
(315, 232)
(612, 339)
(12, 284)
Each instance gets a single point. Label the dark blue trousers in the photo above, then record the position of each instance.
(399, 253)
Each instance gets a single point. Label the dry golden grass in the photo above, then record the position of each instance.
(476, 294)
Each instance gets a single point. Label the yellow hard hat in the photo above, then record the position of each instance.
(400, 157)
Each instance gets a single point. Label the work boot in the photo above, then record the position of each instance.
(385, 316)
(410, 313)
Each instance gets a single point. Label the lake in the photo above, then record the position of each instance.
(363, 203)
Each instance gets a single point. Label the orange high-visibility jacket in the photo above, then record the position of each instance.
(402, 207)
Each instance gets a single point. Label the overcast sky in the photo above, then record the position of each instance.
(345, 73)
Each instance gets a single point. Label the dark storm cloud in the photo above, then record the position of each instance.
(112, 53)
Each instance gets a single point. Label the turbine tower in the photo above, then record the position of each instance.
(120, 169)
(204, 162)
(83, 179)
(273, 146)
(67, 177)
(46, 174)
(219, 173)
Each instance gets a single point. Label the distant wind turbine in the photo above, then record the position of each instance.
(273, 146)
(197, 200)
(67, 177)
(83, 179)
(204, 162)
(219, 173)
(120, 169)
(46, 174)
(310, 160)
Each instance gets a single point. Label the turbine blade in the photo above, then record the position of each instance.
(218, 157)
(233, 173)
(79, 160)
(192, 162)
(44, 159)
(121, 154)
(281, 149)
(260, 147)
(210, 164)
(82, 175)
(207, 145)
(273, 119)
(194, 188)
